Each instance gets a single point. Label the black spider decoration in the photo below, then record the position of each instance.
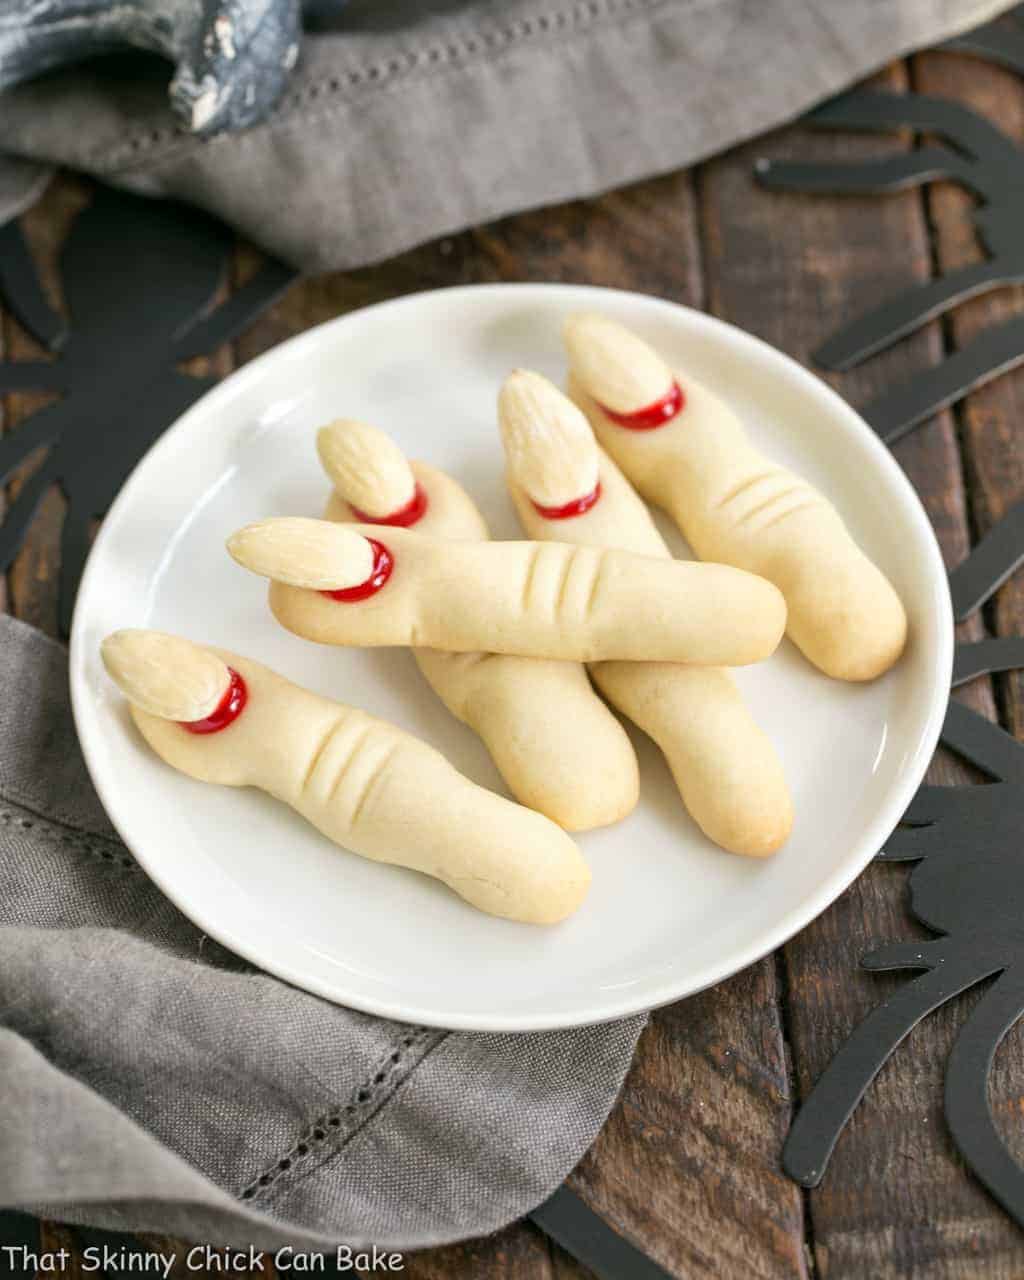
(139, 277)
(968, 887)
(982, 159)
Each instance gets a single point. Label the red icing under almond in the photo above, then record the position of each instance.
(413, 510)
(575, 508)
(383, 563)
(651, 415)
(226, 711)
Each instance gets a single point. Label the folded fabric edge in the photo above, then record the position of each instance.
(577, 165)
(159, 1192)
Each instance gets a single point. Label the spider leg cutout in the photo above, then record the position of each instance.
(21, 290)
(973, 736)
(998, 41)
(235, 315)
(906, 955)
(986, 657)
(999, 553)
(42, 429)
(31, 375)
(900, 316)
(997, 351)
(867, 177)
(920, 831)
(982, 159)
(983, 743)
(21, 512)
(820, 1121)
(966, 1101)
(570, 1223)
(996, 557)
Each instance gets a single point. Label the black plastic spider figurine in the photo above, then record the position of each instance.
(982, 159)
(968, 887)
(139, 277)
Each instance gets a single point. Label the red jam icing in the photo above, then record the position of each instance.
(226, 711)
(574, 508)
(403, 517)
(652, 415)
(383, 563)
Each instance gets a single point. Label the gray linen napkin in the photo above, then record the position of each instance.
(150, 1080)
(419, 117)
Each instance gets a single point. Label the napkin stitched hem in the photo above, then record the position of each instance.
(331, 1132)
(103, 847)
(380, 78)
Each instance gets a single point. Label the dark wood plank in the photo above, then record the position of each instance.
(643, 237)
(895, 1201)
(991, 424)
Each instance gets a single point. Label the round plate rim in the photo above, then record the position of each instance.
(714, 971)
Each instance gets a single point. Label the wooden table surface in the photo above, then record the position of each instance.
(688, 1164)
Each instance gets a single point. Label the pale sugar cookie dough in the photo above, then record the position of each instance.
(363, 783)
(367, 585)
(566, 488)
(558, 747)
(686, 451)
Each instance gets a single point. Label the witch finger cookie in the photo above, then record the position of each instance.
(364, 585)
(365, 784)
(565, 487)
(686, 451)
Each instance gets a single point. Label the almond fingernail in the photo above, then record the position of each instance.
(615, 367)
(366, 467)
(167, 676)
(317, 554)
(551, 451)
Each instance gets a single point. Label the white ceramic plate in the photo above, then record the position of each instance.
(668, 912)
